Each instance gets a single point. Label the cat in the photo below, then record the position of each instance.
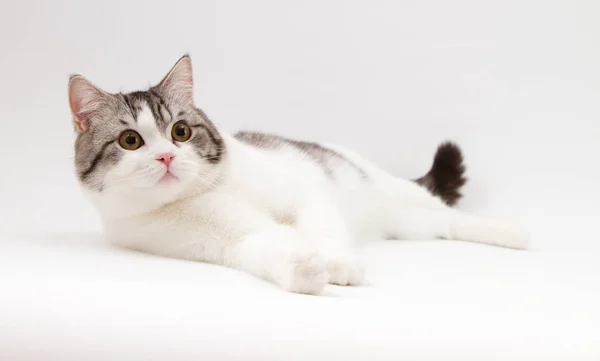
(165, 180)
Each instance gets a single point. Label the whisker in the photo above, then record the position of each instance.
(137, 176)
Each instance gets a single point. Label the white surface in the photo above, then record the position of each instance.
(427, 301)
(516, 82)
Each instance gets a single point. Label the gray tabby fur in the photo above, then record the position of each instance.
(327, 158)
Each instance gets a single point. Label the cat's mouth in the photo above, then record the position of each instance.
(167, 177)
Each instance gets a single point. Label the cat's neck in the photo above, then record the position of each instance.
(242, 165)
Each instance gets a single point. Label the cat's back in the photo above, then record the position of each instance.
(299, 169)
(331, 162)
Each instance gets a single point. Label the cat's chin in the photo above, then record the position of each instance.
(125, 202)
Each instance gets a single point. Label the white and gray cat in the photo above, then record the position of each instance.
(166, 181)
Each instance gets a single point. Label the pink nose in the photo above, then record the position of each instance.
(165, 158)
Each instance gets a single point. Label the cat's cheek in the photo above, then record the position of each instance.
(133, 170)
(184, 167)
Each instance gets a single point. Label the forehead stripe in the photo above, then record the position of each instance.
(155, 107)
(131, 110)
(160, 105)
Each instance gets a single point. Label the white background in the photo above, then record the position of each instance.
(515, 82)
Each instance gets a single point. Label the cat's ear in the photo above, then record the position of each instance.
(178, 84)
(85, 100)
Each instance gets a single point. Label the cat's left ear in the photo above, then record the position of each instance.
(178, 84)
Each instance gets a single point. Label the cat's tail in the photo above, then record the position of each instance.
(447, 174)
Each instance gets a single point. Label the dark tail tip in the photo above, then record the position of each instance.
(447, 175)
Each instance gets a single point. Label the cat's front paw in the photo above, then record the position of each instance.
(304, 272)
(345, 270)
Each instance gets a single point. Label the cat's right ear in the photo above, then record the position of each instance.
(85, 100)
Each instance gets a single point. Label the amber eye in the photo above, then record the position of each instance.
(130, 140)
(181, 132)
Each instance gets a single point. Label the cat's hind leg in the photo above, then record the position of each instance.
(408, 211)
(421, 209)
(423, 224)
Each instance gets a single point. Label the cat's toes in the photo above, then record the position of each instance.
(304, 273)
(345, 271)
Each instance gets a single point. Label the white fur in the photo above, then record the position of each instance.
(273, 213)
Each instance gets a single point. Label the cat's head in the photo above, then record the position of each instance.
(137, 151)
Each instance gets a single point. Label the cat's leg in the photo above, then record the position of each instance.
(410, 212)
(277, 254)
(493, 231)
(233, 233)
(423, 224)
(320, 222)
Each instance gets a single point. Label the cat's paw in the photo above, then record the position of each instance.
(304, 272)
(345, 270)
(509, 234)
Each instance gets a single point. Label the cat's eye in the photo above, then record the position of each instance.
(130, 140)
(181, 132)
